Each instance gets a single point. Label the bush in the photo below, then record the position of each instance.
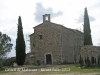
(9, 62)
(81, 61)
(88, 63)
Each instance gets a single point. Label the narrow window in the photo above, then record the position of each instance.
(34, 45)
(40, 36)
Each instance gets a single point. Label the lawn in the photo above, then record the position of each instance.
(59, 69)
(65, 70)
(84, 70)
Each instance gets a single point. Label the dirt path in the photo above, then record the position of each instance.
(37, 73)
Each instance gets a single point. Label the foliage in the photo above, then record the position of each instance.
(1, 69)
(85, 60)
(81, 61)
(99, 60)
(87, 30)
(92, 60)
(88, 63)
(20, 44)
(5, 44)
(9, 62)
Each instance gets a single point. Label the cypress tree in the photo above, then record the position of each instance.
(88, 62)
(99, 60)
(92, 60)
(20, 44)
(87, 30)
(85, 60)
(81, 61)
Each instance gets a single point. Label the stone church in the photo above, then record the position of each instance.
(53, 43)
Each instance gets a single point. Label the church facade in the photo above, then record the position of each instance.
(55, 44)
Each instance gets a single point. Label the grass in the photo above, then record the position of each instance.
(84, 70)
(37, 67)
(67, 69)
(73, 69)
(64, 70)
(3, 71)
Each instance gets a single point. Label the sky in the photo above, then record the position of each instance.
(69, 13)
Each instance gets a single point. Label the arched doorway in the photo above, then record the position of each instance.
(48, 59)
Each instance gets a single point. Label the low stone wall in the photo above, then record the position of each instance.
(29, 59)
(90, 51)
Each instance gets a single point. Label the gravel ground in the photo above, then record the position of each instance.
(36, 73)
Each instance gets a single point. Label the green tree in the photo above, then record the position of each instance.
(85, 60)
(99, 60)
(88, 64)
(5, 44)
(81, 61)
(87, 30)
(92, 60)
(20, 44)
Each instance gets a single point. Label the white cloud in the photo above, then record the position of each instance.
(40, 10)
(80, 18)
(11, 9)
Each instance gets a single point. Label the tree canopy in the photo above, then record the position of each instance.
(87, 30)
(5, 44)
(20, 44)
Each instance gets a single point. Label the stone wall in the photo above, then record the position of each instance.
(90, 51)
(50, 42)
(72, 41)
(63, 44)
(29, 59)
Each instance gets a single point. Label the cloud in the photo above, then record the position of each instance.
(2, 6)
(96, 5)
(80, 19)
(92, 18)
(12, 33)
(40, 10)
